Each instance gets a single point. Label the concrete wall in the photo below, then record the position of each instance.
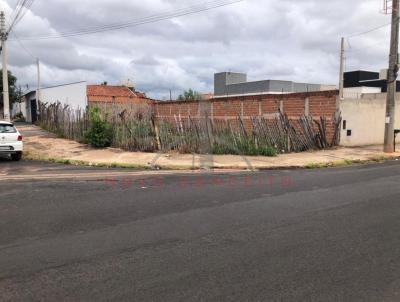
(231, 84)
(365, 118)
(19, 107)
(25, 106)
(267, 86)
(222, 79)
(73, 95)
(359, 92)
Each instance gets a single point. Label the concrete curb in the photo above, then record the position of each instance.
(162, 167)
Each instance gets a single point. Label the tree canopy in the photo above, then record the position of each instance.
(190, 95)
(12, 88)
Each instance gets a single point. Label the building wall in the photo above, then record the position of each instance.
(269, 86)
(95, 100)
(73, 95)
(365, 118)
(25, 106)
(316, 104)
(101, 95)
(230, 84)
(19, 107)
(222, 79)
(360, 78)
(358, 92)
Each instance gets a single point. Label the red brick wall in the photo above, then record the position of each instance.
(229, 108)
(95, 100)
(294, 105)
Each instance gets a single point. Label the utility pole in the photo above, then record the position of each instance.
(392, 80)
(6, 97)
(38, 84)
(341, 79)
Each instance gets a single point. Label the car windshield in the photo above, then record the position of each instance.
(5, 128)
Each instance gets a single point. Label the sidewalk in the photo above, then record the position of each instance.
(42, 145)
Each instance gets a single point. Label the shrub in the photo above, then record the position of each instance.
(227, 144)
(19, 117)
(99, 134)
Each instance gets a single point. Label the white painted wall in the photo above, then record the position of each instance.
(358, 92)
(27, 106)
(19, 107)
(74, 95)
(328, 87)
(365, 118)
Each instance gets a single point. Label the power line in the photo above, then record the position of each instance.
(27, 5)
(155, 18)
(205, 6)
(17, 7)
(19, 4)
(21, 9)
(352, 51)
(23, 46)
(16, 14)
(364, 49)
(368, 31)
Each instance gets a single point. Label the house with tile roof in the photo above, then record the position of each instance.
(104, 94)
(79, 95)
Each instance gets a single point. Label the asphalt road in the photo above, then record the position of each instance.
(312, 235)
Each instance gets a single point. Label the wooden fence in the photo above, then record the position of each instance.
(136, 129)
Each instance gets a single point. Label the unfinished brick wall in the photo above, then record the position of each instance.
(315, 104)
(294, 105)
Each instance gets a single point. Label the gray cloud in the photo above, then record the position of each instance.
(286, 39)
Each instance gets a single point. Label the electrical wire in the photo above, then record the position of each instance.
(364, 49)
(17, 7)
(27, 6)
(368, 31)
(23, 46)
(204, 6)
(150, 19)
(21, 9)
(16, 14)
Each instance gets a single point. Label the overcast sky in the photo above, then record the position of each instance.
(283, 39)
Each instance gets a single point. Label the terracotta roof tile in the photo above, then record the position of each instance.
(118, 94)
(105, 90)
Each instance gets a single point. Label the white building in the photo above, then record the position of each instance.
(73, 95)
(358, 92)
(364, 119)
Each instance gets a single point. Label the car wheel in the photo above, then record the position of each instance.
(16, 157)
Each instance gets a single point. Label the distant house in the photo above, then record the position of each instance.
(103, 94)
(236, 84)
(363, 78)
(78, 95)
(72, 95)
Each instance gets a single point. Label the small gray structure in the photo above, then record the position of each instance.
(234, 83)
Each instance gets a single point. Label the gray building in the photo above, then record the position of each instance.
(233, 83)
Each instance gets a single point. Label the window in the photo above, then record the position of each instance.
(5, 128)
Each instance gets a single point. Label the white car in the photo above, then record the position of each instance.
(10, 141)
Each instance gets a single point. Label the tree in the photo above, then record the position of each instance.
(190, 95)
(13, 90)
